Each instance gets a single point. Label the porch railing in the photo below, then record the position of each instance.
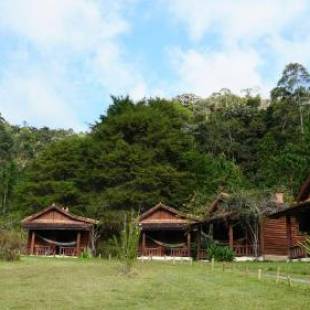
(41, 250)
(44, 250)
(161, 251)
(67, 251)
(179, 252)
(244, 250)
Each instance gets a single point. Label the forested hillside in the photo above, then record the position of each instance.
(182, 152)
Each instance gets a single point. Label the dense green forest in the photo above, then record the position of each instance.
(182, 152)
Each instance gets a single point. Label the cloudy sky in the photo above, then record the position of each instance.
(60, 60)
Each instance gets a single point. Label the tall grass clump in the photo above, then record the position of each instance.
(128, 241)
(10, 245)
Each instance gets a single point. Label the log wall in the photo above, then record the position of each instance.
(275, 235)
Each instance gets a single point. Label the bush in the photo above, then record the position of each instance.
(10, 245)
(86, 254)
(107, 248)
(221, 253)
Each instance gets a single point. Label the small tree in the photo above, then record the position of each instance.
(127, 243)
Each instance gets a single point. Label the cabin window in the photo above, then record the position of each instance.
(304, 224)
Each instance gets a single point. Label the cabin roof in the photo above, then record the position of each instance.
(177, 218)
(68, 220)
(217, 213)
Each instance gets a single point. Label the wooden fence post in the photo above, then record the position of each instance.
(289, 281)
(259, 274)
(212, 263)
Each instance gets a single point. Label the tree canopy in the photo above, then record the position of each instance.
(181, 152)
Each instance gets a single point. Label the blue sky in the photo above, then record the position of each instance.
(60, 60)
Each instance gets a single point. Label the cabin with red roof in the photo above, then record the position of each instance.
(56, 231)
(167, 232)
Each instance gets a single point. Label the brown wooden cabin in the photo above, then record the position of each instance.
(167, 232)
(296, 220)
(272, 238)
(56, 231)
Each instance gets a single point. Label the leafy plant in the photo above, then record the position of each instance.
(306, 245)
(127, 243)
(220, 253)
(10, 245)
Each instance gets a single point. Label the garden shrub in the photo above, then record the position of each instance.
(107, 248)
(10, 245)
(220, 253)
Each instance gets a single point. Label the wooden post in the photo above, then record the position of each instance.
(289, 234)
(231, 236)
(212, 264)
(143, 243)
(189, 243)
(78, 241)
(198, 243)
(246, 242)
(262, 237)
(259, 274)
(289, 281)
(33, 237)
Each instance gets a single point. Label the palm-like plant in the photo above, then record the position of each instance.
(127, 243)
(306, 245)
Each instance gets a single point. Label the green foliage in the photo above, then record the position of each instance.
(10, 245)
(306, 245)
(182, 152)
(86, 254)
(128, 241)
(220, 253)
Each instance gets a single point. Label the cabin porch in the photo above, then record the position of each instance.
(57, 242)
(174, 243)
(236, 236)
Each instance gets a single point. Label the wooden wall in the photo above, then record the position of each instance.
(275, 235)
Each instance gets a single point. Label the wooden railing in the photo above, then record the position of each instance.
(178, 252)
(67, 251)
(297, 251)
(157, 251)
(44, 250)
(244, 250)
(161, 251)
(41, 250)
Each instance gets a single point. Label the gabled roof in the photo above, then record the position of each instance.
(75, 219)
(304, 192)
(179, 216)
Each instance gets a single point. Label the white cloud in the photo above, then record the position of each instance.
(71, 36)
(77, 24)
(35, 100)
(206, 72)
(252, 38)
(235, 19)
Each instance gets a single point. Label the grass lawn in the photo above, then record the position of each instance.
(43, 283)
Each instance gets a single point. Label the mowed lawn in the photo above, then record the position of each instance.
(47, 283)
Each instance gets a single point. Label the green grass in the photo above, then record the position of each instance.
(43, 283)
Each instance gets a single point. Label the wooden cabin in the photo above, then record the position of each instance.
(167, 232)
(296, 220)
(270, 240)
(56, 231)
